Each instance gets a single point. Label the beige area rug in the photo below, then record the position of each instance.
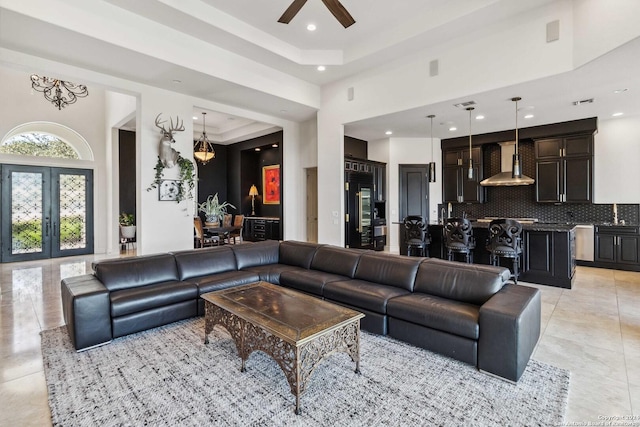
(168, 377)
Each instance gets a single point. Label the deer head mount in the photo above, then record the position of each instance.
(168, 155)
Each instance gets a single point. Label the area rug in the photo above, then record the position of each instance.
(168, 377)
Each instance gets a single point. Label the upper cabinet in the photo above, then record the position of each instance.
(564, 169)
(456, 187)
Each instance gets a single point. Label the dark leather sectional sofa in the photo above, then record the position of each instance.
(468, 312)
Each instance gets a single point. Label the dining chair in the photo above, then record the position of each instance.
(202, 239)
(238, 221)
(226, 220)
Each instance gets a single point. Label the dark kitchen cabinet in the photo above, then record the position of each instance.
(379, 179)
(456, 187)
(564, 169)
(617, 245)
(549, 257)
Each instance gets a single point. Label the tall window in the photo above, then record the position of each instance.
(38, 144)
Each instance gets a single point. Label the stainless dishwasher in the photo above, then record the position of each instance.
(584, 242)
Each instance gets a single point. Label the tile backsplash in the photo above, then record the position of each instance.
(519, 202)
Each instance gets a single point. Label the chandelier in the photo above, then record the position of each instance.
(203, 149)
(60, 92)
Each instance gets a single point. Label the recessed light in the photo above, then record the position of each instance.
(321, 68)
(258, 149)
(176, 81)
(452, 129)
(480, 117)
(388, 132)
(620, 90)
(274, 145)
(311, 27)
(195, 117)
(618, 114)
(583, 101)
(231, 118)
(284, 111)
(528, 116)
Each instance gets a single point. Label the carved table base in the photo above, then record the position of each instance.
(297, 360)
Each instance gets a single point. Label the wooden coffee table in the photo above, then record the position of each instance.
(297, 330)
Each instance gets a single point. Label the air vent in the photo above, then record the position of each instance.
(584, 101)
(465, 104)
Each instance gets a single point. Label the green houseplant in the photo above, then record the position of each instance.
(213, 209)
(127, 225)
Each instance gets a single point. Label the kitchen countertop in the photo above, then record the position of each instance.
(551, 226)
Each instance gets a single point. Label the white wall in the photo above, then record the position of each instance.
(616, 157)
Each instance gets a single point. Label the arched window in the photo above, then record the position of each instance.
(46, 139)
(38, 144)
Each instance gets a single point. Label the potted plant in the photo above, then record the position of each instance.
(127, 225)
(214, 210)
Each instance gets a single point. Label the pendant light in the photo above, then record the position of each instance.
(470, 171)
(432, 163)
(516, 170)
(203, 149)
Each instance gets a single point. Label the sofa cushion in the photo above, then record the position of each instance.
(204, 262)
(137, 271)
(360, 293)
(271, 272)
(127, 301)
(310, 281)
(333, 259)
(259, 253)
(392, 270)
(473, 284)
(437, 313)
(224, 280)
(299, 254)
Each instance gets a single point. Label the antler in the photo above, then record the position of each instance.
(178, 127)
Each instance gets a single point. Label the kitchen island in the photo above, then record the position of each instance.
(548, 251)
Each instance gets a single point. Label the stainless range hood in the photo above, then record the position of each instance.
(504, 178)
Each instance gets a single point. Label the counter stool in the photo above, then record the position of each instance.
(505, 241)
(458, 238)
(416, 235)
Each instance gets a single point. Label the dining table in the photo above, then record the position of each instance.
(222, 232)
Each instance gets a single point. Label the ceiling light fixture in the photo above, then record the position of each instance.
(617, 114)
(620, 90)
(529, 116)
(480, 117)
(311, 27)
(388, 132)
(203, 150)
(274, 145)
(453, 129)
(195, 117)
(321, 68)
(470, 170)
(432, 164)
(258, 149)
(516, 170)
(60, 99)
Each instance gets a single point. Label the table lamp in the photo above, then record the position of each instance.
(253, 192)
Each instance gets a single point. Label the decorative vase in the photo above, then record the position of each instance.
(210, 222)
(128, 231)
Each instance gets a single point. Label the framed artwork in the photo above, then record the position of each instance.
(271, 185)
(168, 190)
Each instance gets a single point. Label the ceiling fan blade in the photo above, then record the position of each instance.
(339, 12)
(292, 11)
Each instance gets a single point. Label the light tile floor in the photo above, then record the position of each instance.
(593, 330)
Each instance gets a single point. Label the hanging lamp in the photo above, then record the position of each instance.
(432, 163)
(203, 149)
(516, 170)
(470, 170)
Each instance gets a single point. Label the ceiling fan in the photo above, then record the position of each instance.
(334, 6)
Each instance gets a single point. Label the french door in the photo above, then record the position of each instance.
(46, 212)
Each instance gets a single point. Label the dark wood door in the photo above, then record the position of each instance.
(414, 196)
(548, 173)
(577, 179)
(627, 249)
(605, 247)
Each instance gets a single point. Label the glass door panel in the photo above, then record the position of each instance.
(72, 207)
(365, 210)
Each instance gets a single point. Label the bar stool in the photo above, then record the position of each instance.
(505, 241)
(458, 238)
(416, 235)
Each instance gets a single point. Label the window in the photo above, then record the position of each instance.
(38, 144)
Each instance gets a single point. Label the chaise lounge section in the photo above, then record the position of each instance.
(468, 312)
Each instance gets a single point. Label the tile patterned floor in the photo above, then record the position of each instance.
(593, 330)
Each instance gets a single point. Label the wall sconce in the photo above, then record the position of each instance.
(253, 192)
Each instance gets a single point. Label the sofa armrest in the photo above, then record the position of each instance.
(509, 330)
(86, 309)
